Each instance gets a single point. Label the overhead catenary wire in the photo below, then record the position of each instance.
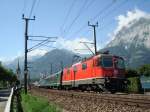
(103, 10)
(37, 5)
(112, 21)
(99, 13)
(90, 4)
(115, 8)
(38, 45)
(32, 8)
(67, 15)
(91, 19)
(24, 6)
(81, 10)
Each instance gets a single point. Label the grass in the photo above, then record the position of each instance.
(37, 104)
(134, 84)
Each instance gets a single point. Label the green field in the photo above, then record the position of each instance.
(37, 104)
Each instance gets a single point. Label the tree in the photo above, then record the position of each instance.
(144, 70)
(7, 76)
(131, 73)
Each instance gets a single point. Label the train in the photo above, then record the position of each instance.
(101, 72)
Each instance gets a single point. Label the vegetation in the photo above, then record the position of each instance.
(133, 75)
(7, 77)
(36, 104)
(144, 70)
(134, 85)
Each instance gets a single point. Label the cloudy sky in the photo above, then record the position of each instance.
(65, 19)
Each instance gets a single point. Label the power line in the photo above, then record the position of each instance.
(68, 13)
(85, 44)
(32, 8)
(115, 9)
(81, 10)
(43, 42)
(90, 4)
(24, 6)
(100, 12)
(37, 5)
(103, 10)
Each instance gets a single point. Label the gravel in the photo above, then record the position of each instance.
(70, 103)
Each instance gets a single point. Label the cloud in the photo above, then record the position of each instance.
(74, 45)
(61, 43)
(5, 60)
(37, 52)
(131, 16)
(126, 20)
(31, 55)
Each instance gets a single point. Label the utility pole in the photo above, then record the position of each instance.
(51, 69)
(92, 25)
(61, 65)
(18, 71)
(26, 51)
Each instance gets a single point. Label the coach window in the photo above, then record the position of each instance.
(84, 66)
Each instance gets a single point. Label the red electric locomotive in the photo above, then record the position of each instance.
(102, 72)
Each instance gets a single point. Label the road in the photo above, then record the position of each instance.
(4, 94)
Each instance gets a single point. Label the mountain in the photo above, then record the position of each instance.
(13, 64)
(133, 43)
(54, 59)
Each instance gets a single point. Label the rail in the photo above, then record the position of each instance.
(8, 104)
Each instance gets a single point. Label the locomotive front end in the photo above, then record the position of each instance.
(116, 81)
(113, 72)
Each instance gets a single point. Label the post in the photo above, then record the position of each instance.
(26, 51)
(61, 65)
(25, 60)
(96, 25)
(51, 68)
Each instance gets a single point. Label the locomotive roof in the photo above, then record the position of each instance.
(98, 55)
(85, 59)
(94, 56)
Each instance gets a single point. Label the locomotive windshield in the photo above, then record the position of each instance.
(120, 63)
(107, 62)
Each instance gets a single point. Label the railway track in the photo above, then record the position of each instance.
(131, 100)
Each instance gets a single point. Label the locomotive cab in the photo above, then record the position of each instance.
(112, 71)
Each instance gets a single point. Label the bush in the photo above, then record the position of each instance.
(131, 73)
(134, 85)
(144, 70)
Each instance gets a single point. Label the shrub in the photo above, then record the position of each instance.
(144, 70)
(134, 85)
